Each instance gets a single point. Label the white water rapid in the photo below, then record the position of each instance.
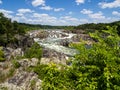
(53, 42)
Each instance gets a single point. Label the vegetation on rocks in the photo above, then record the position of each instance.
(95, 68)
(2, 57)
(35, 51)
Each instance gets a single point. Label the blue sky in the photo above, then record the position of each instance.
(61, 12)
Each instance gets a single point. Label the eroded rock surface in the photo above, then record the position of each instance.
(22, 79)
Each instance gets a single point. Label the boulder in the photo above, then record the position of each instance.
(48, 53)
(28, 62)
(12, 53)
(42, 34)
(22, 41)
(65, 42)
(77, 37)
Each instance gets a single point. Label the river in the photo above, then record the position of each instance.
(53, 40)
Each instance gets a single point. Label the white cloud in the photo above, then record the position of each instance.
(36, 3)
(79, 1)
(19, 14)
(0, 1)
(106, 20)
(7, 13)
(116, 13)
(46, 19)
(114, 4)
(59, 9)
(69, 18)
(46, 8)
(98, 15)
(85, 11)
(25, 10)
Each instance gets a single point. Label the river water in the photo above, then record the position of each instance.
(53, 42)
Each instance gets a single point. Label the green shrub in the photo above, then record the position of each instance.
(16, 64)
(34, 52)
(99, 66)
(3, 88)
(94, 68)
(2, 58)
(53, 78)
(11, 72)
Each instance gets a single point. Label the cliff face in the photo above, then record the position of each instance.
(22, 41)
(18, 47)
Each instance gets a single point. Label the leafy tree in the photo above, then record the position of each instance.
(8, 30)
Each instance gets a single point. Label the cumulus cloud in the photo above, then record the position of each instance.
(7, 13)
(59, 9)
(116, 13)
(85, 11)
(25, 10)
(114, 4)
(69, 20)
(98, 15)
(79, 1)
(36, 3)
(46, 19)
(46, 8)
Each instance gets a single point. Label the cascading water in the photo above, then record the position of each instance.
(53, 42)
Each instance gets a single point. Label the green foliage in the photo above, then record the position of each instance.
(94, 68)
(8, 29)
(53, 78)
(16, 64)
(32, 84)
(99, 64)
(2, 58)
(10, 73)
(7, 75)
(92, 27)
(35, 51)
(3, 88)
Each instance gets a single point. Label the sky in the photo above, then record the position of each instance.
(61, 12)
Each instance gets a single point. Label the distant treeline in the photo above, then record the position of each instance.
(39, 26)
(91, 27)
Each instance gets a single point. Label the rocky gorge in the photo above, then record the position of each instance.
(56, 49)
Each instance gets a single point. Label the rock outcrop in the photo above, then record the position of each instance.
(48, 53)
(22, 41)
(65, 42)
(77, 37)
(22, 79)
(11, 53)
